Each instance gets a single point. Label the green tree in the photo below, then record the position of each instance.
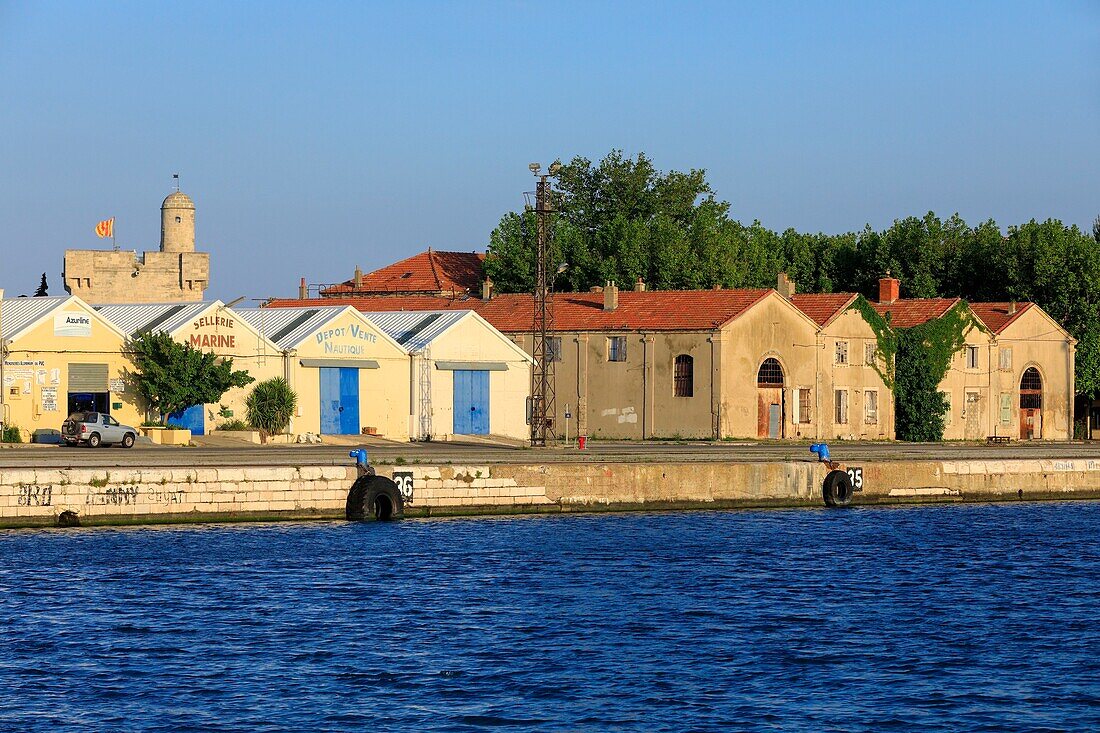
(270, 406)
(43, 288)
(172, 376)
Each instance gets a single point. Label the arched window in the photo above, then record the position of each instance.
(770, 374)
(683, 376)
(1031, 389)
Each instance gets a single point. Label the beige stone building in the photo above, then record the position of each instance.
(707, 364)
(174, 273)
(1014, 376)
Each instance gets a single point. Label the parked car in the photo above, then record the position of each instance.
(95, 429)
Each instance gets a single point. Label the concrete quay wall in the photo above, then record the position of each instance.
(36, 497)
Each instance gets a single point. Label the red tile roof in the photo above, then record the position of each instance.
(427, 272)
(656, 310)
(384, 303)
(909, 312)
(822, 307)
(995, 316)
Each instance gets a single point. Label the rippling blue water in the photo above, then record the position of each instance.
(962, 618)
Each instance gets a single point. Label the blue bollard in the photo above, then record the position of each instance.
(360, 456)
(822, 451)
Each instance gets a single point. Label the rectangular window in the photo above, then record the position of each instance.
(804, 406)
(1006, 409)
(553, 348)
(841, 404)
(683, 376)
(869, 350)
(971, 357)
(947, 401)
(870, 407)
(841, 352)
(616, 348)
(1006, 358)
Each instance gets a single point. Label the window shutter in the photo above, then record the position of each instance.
(88, 378)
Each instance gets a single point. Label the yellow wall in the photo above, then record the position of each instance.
(473, 340)
(37, 363)
(383, 392)
(773, 328)
(857, 378)
(219, 330)
(1035, 340)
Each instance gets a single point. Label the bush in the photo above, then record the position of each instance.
(270, 406)
(234, 425)
(11, 434)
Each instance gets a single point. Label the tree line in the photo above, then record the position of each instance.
(621, 219)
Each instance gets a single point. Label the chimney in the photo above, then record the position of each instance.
(1012, 307)
(487, 289)
(303, 291)
(639, 287)
(610, 296)
(785, 286)
(888, 288)
(596, 289)
(358, 279)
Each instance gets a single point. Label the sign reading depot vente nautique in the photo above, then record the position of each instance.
(218, 338)
(346, 340)
(72, 324)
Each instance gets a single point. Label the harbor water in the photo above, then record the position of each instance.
(934, 618)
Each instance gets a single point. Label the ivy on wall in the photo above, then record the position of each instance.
(913, 361)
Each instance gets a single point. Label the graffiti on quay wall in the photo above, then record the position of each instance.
(35, 495)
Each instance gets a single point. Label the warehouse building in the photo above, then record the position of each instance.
(208, 326)
(349, 375)
(467, 378)
(60, 356)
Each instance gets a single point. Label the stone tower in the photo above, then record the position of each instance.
(177, 223)
(175, 273)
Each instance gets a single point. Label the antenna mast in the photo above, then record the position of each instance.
(542, 376)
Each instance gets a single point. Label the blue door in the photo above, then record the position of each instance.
(471, 402)
(193, 418)
(339, 401)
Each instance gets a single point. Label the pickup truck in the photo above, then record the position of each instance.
(95, 429)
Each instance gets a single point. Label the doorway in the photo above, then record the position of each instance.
(339, 400)
(770, 412)
(1031, 405)
(471, 402)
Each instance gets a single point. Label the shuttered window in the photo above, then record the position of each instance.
(841, 407)
(88, 378)
(804, 406)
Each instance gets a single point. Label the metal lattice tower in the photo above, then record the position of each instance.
(424, 380)
(542, 376)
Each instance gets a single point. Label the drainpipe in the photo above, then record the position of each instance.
(1072, 392)
(819, 416)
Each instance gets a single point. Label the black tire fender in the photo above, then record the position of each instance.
(374, 499)
(837, 489)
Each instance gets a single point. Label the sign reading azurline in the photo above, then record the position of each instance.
(72, 324)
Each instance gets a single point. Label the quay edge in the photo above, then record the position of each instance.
(161, 495)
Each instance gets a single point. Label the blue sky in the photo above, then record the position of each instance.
(317, 136)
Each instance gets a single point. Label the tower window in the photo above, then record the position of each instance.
(178, 220)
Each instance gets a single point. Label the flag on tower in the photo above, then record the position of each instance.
(105, 228)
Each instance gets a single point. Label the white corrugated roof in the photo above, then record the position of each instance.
(414, 330)
(18, 313)
(134, 317)
(289, 325)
